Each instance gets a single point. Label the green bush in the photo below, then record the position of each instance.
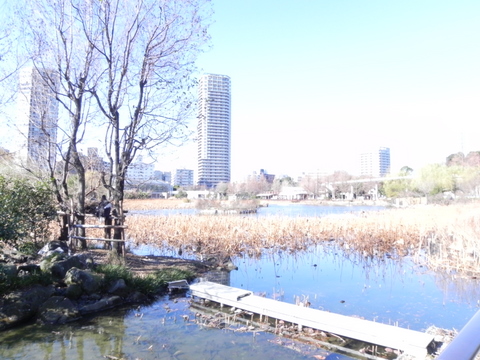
(151, 284)
(12, 283)
(26, 210)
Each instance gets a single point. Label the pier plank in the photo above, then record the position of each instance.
(410, 341)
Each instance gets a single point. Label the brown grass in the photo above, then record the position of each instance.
(443, 237)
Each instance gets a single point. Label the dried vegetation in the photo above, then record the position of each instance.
(443, 237)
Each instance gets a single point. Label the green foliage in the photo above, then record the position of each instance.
(28, 248)
(148, 285)
(26, 209)
(113, 272)
(9, 284)
(435, 179)
(398, 188)
(181, 194)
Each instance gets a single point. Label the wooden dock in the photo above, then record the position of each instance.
(411, 342)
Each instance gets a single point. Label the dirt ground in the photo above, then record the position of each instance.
(142, 265)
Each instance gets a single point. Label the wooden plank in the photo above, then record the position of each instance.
(84, 226)
(98, 239)
(411, 342)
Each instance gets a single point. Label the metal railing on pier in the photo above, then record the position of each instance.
(466, 345)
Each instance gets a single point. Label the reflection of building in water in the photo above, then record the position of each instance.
(218, 276)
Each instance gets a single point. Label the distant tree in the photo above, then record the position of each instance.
(339, 183)
(312, 184)
(222, 189)
(473, 159)
(435, 179)
(405, 171)
(457, 159)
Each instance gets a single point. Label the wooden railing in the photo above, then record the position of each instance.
(74, 227)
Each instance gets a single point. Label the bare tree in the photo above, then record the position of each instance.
(147, 50)
(134, 58)
(65, 59)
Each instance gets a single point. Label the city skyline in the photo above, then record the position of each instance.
(316, 83)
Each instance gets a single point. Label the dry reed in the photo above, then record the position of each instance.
(443, 237)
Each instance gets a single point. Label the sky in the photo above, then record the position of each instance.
(315, 83)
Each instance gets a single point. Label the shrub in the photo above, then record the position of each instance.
(151, 284)
(26, 210)
(12, 283)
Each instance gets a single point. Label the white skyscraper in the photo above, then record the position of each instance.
(214, 122)
(37, 117)
(375, 163)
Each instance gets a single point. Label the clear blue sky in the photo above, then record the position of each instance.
(315, 82)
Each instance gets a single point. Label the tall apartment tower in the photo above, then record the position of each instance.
(375, 163)
(213, 129)
(37, 117)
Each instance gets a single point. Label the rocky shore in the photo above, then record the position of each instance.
(76, 290)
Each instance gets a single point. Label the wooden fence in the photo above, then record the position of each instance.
(71, 222)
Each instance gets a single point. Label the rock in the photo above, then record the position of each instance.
(21, 306)
(73, 291)
(55, 246)
(103, 304)
(58, 310)
(59, 265)
(8, 270)
(30, 268)
(88, 281)
(119, 288)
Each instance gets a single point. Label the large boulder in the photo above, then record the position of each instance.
(53, 247)
(58, 310)
(118, 287)
(58, 265)
(21, 306)
(89, 282)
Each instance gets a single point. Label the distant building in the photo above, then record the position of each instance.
(213, 129)
(165, 176)
(262, 175)
(183, 177)
(139, 172)
(37, 117)
(375, 163)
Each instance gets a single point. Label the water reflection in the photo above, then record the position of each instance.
(387, 289)
(163, 330)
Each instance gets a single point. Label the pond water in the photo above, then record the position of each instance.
(278, 209)
(391, 290)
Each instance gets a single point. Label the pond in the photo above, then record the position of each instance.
(391, 290)
(278, 209)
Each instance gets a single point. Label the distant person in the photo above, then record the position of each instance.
(104, 210)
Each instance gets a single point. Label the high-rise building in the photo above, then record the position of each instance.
(213, 129)
(375, 163)
(183, 177)
(37, 117)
